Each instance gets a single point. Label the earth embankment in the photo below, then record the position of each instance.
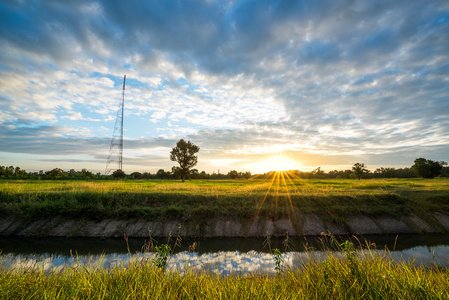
(223, 208)
(304, 225)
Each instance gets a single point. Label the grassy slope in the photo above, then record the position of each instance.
(197, 200)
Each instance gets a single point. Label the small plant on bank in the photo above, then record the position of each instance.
(279, 261)
(162, 252)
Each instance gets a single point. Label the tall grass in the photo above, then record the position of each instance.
(356, 274)
(334, 199)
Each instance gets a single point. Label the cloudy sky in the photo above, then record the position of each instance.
(322, 83)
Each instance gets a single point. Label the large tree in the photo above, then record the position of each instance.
(184, 154)
(427, 168)
(118, 174)
(359, 170)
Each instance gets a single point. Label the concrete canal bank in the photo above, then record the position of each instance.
(304, 225)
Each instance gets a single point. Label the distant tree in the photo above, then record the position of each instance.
(194, 174)
(55, 173)
(204, 175)
(136, 175)
(385, 172)
(86, 174)
(247, 175)
(160, 174)
(176, 172)
(118, 174)
(184, 154)
(6, 172)
(9, 171)
(318, 173)
(18, 172)
(445, 172)
(359, 170)
(72, 173)
(233, 174)
(394, 173)
(427, 168)
(340, 174)
(147, 175)
(405, 173)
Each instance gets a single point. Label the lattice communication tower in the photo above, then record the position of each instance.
(116, 147)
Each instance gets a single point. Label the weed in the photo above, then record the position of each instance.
(162, 253)
(267, 242)
(279, 261)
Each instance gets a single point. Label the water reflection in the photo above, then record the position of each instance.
(221, 262)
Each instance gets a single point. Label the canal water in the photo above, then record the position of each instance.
(219, 255)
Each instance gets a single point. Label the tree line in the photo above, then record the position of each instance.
(422, 168)
(11, 172)
(185, 154)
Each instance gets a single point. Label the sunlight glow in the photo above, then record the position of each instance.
(277, 163)
(278, 195)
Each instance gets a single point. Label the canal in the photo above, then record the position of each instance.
(222, 255)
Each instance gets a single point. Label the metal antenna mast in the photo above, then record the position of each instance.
(116, 147)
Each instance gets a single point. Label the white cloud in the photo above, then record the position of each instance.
(339, 78)
(157, 116)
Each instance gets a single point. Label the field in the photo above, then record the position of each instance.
(337, 277)
(332, 199)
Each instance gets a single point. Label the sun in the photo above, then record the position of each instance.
(277, 163)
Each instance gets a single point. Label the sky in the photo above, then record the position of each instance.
(320, 83)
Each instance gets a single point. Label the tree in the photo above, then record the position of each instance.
(86, 174)
(445, 172)
(427, 168)
(194, 174)
(176, 172)
(184, 154)
(55, 173)
(359, 170)
(233, 174)
(18, 172)
(204, 175)
(136, 175)
(118, 174)
(9, 171)
(160, 174)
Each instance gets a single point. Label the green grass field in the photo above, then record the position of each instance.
(332, 199)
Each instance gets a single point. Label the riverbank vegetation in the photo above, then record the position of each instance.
(199, 200)
(351, 275)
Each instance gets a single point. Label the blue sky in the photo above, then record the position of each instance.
(323, 83)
